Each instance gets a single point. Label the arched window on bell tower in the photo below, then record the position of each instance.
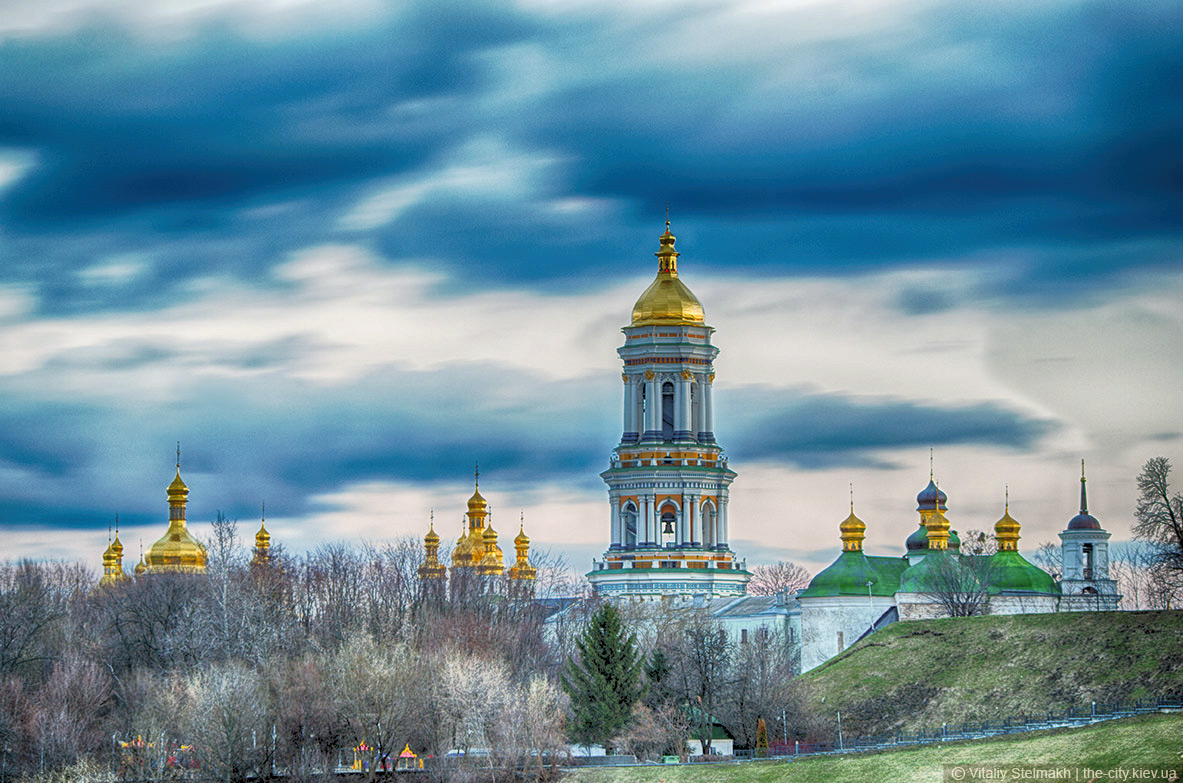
(709, 537)
(629, 519)
(667, 411)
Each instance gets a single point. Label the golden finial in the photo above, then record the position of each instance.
(930, 463)
(178, 455)
(852, 497)
(1006, 505)
(109, 531)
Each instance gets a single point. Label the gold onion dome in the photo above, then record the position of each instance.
(177, 550)
(521, 539)
(493, 556)
(262, 538)
(1006, 531)
(432, 537)
(477, 502)
(938, 530)
(852, 530)
(667, 300)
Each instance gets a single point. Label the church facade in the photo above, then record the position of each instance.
(859, 593)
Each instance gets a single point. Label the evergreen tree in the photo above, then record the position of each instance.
(604, 681)
(660, 689)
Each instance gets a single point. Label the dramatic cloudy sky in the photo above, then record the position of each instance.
(344, 250)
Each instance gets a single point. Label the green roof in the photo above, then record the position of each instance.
(848, 575)
(1012, 572)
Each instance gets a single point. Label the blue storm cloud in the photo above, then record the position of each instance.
(1049, 132)
(820, 431)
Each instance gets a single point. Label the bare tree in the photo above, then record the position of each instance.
(380, 695)
(67, 716)
(960, 586)
(1158, 521)
(30, 609)
(761, 670)
(225, 719)
(778, 577)
(702, 655)
(1050, 557)
(978, 542)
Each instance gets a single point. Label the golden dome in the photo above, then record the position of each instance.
(667, 300)
(178, 486)
(177, 551)
(522, 539)
(477, 503)
(432, 538)
(1006, 532)
(852, 532)
(938, 530)
(462, 552)
(492, 559)
(262, 538)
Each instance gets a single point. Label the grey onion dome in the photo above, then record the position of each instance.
(1084, 520)
(930, 497)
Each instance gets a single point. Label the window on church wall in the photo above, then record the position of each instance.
(1087, 551)
(629, 517)
(667, 411)
(708, 525)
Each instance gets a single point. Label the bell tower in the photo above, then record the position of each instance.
(668, 482)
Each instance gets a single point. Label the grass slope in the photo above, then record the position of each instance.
(1150, 741)
(918, 675)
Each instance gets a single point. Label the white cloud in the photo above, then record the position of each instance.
(485, 168)
(14, 164)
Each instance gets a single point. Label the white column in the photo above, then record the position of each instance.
(647, 519)
(691, 506)
(682, 421)
(708, 412)
(617, 533)
(652, 406)
(696, 410)
(725, 533)
(630, 407)
(678, 527)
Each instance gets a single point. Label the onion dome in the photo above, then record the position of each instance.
(852, 532)
(477, 505)
(462, 552)
(140, 566)
(931, 497)
(918, 540)
(113, 562)
(954, 541)
(667, 300)
(262, 538)
(522, 569)
(1006, 532)
(262, 543)
(492, 562)
(177, 551)
(432, 568)
(938, 531)
(1084, 520)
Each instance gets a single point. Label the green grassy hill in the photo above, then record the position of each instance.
(918, 675)
(1148, 742)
